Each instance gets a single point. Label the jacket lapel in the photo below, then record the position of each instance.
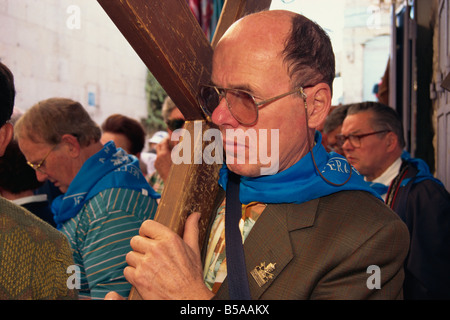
(268, 243)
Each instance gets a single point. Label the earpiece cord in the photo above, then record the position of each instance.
(311, 151)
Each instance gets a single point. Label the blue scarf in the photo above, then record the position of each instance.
(422, 168)
(301, 182)
(109, 168)
(422, 174)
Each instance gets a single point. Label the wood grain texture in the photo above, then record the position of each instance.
(169, 40)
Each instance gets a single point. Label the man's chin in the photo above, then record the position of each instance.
(246, 170)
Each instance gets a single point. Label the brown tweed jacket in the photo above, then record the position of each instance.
(34, 257)
(322, 249)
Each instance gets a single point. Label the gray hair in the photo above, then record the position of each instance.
(309, 54)
(48, 120)
(335, 118)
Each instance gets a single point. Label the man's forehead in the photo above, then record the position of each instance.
(266, 27)
(354, 123)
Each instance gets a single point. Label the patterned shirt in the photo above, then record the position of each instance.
(215, 269)
(156, 182)
(34, 257)
(100, 237)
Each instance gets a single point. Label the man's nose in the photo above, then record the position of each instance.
(41, 176)
(222, 115)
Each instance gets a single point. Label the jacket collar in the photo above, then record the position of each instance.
(269, 241)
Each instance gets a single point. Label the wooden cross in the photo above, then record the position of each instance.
(171, 43)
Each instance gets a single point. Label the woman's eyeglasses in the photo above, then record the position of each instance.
(242, 105)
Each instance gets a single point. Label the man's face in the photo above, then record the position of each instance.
(54, 164)
(369, 158)
(255, 64)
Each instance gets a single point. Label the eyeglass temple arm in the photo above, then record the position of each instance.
(302, 93)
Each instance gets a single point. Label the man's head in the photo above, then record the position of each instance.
(7, 96)
(268, 54)
(332, 127)
(372, 138)
(126, 132)
(57, 136)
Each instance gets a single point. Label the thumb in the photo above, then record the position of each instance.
(191, 232)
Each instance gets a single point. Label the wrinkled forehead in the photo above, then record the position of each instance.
(268, 29)
(254, 42)
(356, 123)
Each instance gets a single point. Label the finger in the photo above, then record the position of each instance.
(191, 232)
(153, 230)
(113, 296)
(132, 258)
(130, 274)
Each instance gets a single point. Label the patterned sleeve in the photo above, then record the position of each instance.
(107, 224)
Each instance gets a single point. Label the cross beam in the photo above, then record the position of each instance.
(170, 42)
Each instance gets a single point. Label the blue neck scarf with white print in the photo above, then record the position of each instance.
(301, 182)
(423, 173)
(109, 168)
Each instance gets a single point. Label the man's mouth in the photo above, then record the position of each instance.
(234, 147)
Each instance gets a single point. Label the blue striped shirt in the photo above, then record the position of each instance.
(100, 237)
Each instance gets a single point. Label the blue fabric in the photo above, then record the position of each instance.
(301, 182)
(378, 187)
(422, 168)
(422, 174)
(109, 168)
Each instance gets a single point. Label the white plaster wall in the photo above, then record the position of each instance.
(68, 48)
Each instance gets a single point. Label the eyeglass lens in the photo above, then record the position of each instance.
(240, 103)
(174, 124)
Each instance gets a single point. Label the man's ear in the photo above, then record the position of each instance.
(6, 133)
(72, 144)
(391, 141)
(319, 103)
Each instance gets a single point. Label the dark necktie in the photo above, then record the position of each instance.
(236, 269)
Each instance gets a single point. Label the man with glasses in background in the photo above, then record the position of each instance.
(373, 142)
(310, 230)
(106, 196)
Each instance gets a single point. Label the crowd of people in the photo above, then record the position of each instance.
(343, 202)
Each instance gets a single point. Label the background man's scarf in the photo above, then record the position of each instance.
(301, 182)
(422, 168)
(109, 168)
(422, 174)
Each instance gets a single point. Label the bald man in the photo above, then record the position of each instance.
(312, 229)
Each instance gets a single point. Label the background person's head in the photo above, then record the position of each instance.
(7, 97)
(372, 137)
(127, 133)
(57, 136)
